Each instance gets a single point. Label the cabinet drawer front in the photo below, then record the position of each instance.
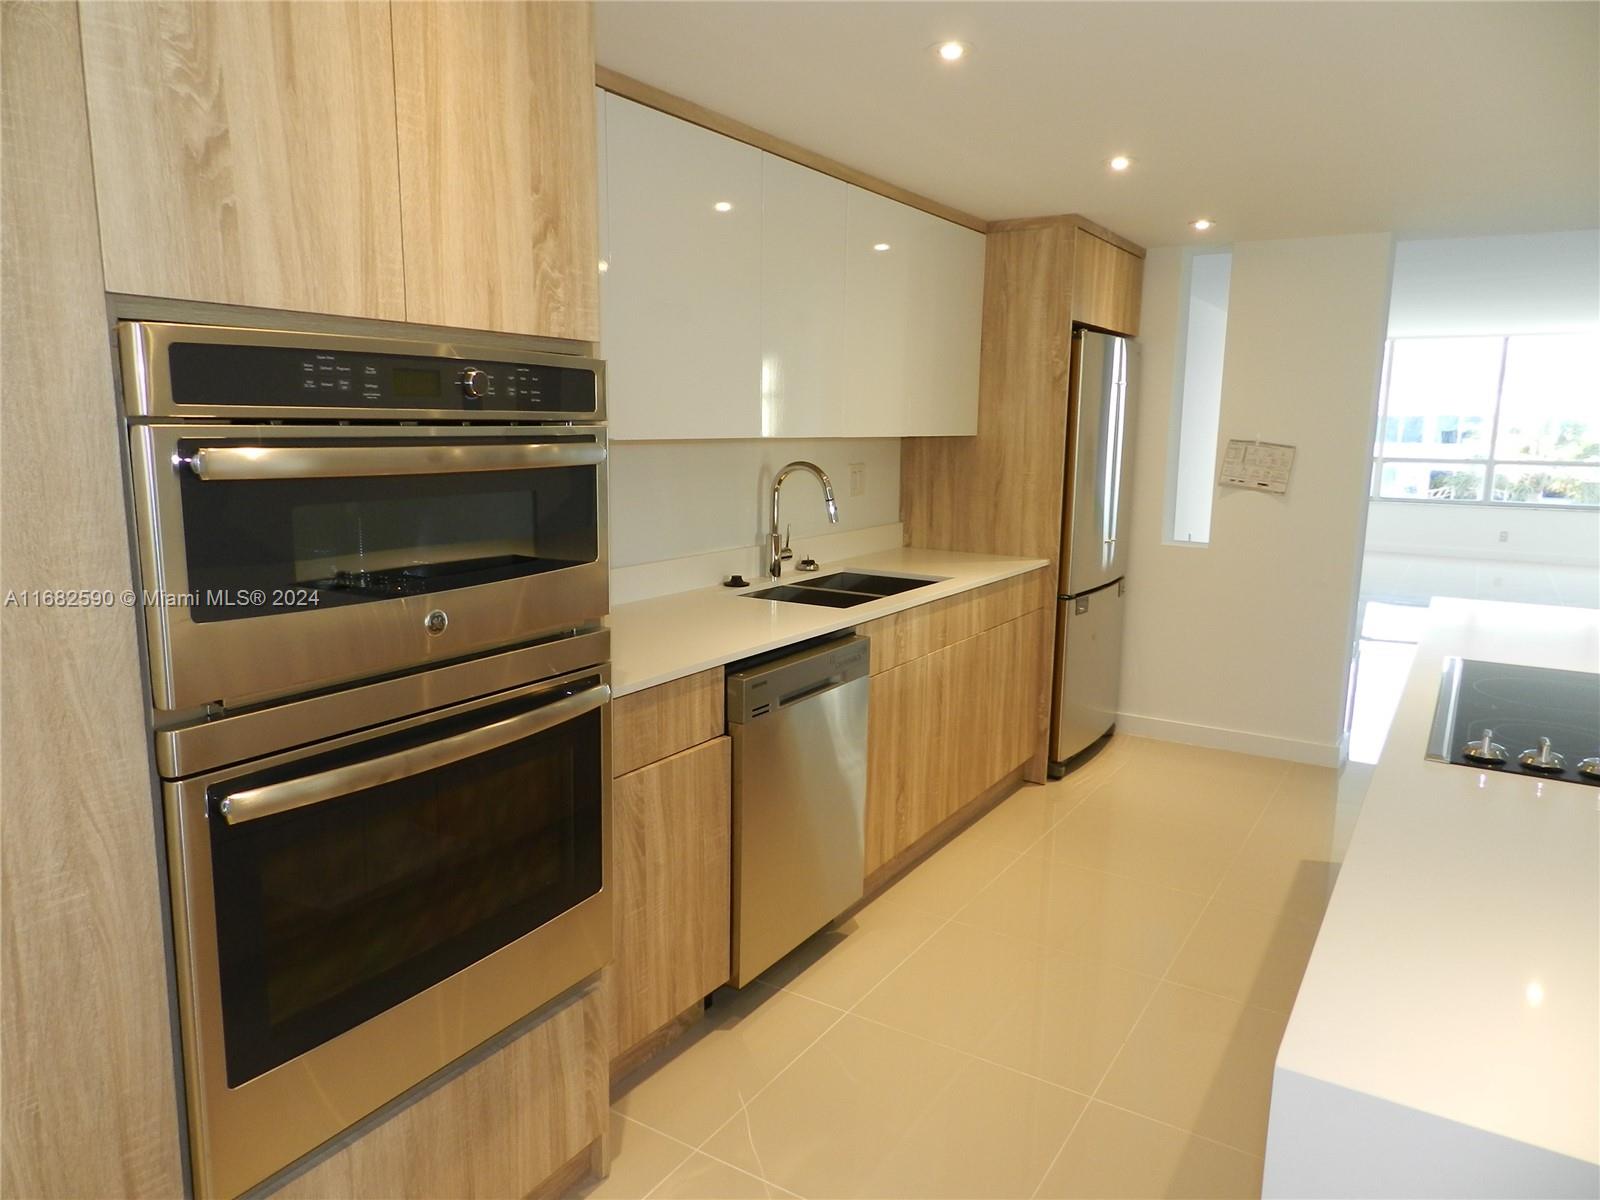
(672, 868)
(245, 153)
(920, 631)
(658, 722)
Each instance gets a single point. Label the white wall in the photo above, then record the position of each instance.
(1538, 535)
(1245, 643)
(677, 499)
(1524, 283)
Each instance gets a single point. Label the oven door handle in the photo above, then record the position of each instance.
(310, 462)
(252, 804)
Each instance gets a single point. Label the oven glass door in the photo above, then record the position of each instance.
(346, 882)
(298, 522)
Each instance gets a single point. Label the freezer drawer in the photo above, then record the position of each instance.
(1088, 669)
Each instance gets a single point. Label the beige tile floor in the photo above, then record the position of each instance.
(1080, 995)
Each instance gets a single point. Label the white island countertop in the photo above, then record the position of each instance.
(1446, 1037)
(667, 637)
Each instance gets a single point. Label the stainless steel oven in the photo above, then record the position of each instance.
(369, 883)
(315, 508)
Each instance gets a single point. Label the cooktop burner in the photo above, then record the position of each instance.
(1521, 720)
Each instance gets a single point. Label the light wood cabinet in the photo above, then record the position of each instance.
(810, 307)
(804, 327)
(501, 1127)
(497, 165)
(245, 153)
(681, 327)
(949, 723)
(914, 309)
(672, 870)
(1107, 282)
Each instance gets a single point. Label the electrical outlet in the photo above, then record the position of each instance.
(1505, 535)
(858, 479)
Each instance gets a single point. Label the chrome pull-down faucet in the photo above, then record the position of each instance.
(776, 547)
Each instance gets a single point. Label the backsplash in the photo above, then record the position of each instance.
(672, 500)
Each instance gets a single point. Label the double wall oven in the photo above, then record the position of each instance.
(374, 576)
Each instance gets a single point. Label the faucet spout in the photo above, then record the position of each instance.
(778, 552)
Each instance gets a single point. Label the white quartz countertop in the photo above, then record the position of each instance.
(667, 637)
(1457, 971)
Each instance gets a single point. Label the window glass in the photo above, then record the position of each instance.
(1441, 397)
(1430, 481)
(1547, 485)
(1550, 402)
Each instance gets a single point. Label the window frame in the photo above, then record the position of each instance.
(1489, 462)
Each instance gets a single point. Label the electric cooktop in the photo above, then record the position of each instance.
(1534, 721)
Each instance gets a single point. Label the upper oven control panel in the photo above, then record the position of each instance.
(204, 370)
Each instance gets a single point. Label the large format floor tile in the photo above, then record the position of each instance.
(1014, 1003)
(1110, 957)
(1113, 1153)
(1249, 954)
(1201, 1063)
(1165, 850)
(747, 1038)
(869, 1111)
(1087, 914)
(955, 873)
(842, 963)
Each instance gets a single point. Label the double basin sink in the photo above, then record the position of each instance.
(842, 589)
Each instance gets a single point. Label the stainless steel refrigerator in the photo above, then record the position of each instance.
(1093, 585)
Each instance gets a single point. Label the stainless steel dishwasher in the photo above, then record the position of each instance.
(799, 726)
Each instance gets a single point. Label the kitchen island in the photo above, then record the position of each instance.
(1446, 1035)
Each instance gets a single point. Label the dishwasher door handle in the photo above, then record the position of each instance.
(816, 689)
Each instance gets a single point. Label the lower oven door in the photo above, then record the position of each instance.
(281, 559)
(354, 915)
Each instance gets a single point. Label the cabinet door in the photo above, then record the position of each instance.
(245, 153)
(497, 165)
(914, 306)
(1106, 284)
(907, 784)
(672, 871)
(802, 301)
(683, 287)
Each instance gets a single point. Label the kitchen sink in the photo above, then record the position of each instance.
(873, 585)
(842, 589)
(812, 595)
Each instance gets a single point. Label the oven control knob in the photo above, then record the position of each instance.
(475, 382)
(435, 622)
(1542, 758)
(1487, 751)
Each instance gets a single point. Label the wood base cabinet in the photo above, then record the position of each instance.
(948, 725)
(672, 862)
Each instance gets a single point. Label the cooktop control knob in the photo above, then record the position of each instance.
(1542, 758)
(1590, 767)
(475, 382)
(1485, 750)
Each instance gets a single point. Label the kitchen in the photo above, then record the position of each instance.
(590, 638)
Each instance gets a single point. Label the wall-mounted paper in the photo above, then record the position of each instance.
(1259, 466)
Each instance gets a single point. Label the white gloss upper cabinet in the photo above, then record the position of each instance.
(803, 319)
(680, 319)
(914, 305)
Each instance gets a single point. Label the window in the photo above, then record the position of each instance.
(1499, 420)
(1198, 399)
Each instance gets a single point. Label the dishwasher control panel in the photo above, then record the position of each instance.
(763, 686)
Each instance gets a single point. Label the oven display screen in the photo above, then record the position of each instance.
(411, 383)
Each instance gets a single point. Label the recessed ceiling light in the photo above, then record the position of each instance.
(1202, 224)
(951, 51)
(722, 206)
(880, 247)
(604, 266)
(1121, 162)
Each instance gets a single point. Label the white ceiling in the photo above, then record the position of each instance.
(1273, 119)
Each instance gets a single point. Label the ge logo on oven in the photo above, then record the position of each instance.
(435, 622)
